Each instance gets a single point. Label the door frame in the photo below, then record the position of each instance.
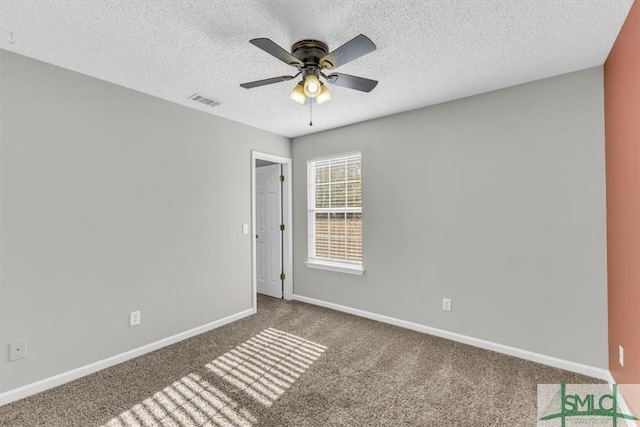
(287, 215)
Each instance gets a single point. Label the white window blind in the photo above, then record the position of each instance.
(335, 209)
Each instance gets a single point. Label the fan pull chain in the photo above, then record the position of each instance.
(310, 112)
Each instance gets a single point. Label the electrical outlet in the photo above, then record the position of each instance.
(17, 350)
(621, 355)
(446, 304)
(134, 318)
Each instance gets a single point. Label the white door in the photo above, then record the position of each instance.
(268, 233)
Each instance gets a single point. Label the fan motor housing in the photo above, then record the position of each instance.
(309, 51)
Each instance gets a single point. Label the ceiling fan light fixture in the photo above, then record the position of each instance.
(311, 58)
(312, 86)
(297, 94)
(324, 95)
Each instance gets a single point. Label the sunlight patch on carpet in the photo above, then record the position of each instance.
(268, 364)
(263, 367)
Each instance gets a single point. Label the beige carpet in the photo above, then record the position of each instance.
(294, 364)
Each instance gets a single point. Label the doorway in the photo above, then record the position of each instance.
(271, 226)
(269, 229)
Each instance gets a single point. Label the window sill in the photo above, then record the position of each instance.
(336, 267)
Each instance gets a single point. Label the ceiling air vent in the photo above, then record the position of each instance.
(204, 100)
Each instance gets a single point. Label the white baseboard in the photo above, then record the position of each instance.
(65, 377)
(591, 371)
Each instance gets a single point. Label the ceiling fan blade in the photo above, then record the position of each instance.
(353, 49)
(273, 49)
(264, 82)
(352, 82)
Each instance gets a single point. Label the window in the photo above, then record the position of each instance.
(335, 213)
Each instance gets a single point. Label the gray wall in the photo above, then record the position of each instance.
(114, 201)
(496, 201)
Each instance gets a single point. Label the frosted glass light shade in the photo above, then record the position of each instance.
(324, 95)
(297, 94)
(312, 86)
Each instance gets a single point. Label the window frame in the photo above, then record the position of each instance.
(339, 266)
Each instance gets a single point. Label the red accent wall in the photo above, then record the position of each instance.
(622, 147)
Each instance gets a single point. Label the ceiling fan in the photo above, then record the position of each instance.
(312, 58)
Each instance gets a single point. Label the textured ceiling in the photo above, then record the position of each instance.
(428, 51)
